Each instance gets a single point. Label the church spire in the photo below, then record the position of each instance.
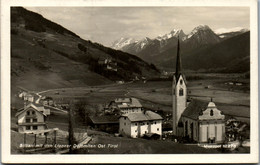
(178, 62)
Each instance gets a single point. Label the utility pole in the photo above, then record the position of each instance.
(70, 129)
(24, 142)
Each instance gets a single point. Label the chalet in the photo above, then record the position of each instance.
(47, 101)
(124, 106)
(198, 121)
(139, 124)
(22, 94)
(31, 119)
(28, 97)
(108, 64)
(103, 61)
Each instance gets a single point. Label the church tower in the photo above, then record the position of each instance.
(179, 92)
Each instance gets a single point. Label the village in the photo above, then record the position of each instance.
(187, 120)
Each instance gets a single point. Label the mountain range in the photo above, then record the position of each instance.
(194, 46)
(46, 55)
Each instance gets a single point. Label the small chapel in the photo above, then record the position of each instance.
(196, 120)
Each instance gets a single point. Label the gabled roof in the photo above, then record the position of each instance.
(127, 102)
(195, 109)
(36, 107)
(122, 100)
(152, 115)
(109, 119)
(148, 115)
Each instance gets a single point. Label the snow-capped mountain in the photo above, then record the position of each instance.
(120, 43)
(159, 50)
(235, 29)
(203, 35)
(137, 46)
(224, 33)
(142, 43)
(173, 33)
(200, 44)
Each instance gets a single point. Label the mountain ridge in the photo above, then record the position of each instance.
(200, 38)
(42, 47)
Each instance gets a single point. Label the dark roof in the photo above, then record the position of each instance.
(107, 119)
(195, 109)
(47, 98)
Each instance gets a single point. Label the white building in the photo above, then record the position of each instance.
(125, 106)
(28, 97)
(22, 94)
(138, 124)
(198, 120)
(202, 122)
(31, 119)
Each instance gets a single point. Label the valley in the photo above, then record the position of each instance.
(49, 63)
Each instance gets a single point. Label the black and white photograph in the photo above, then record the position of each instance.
(106, 80)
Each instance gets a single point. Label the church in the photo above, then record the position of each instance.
(197, 120)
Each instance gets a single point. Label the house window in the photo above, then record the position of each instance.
(135, 123)
(28, 112)
(27, 120)
(154, 122)
(145, 132)
(28, 127)
(181, 92)
(135, 130)
(35, 127)
(34, 120)
(211, 113)
(157, 129)
(147, 123)
(181, 82)
(124, 124)
(33, 112)
(125, 118)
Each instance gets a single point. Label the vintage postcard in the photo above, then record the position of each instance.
(129, 81)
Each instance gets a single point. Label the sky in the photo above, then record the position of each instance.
(107, 24)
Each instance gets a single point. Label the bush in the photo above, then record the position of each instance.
(40, 65)
(82, 47)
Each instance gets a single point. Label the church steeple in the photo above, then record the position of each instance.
(178, 62)
(179, 88)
